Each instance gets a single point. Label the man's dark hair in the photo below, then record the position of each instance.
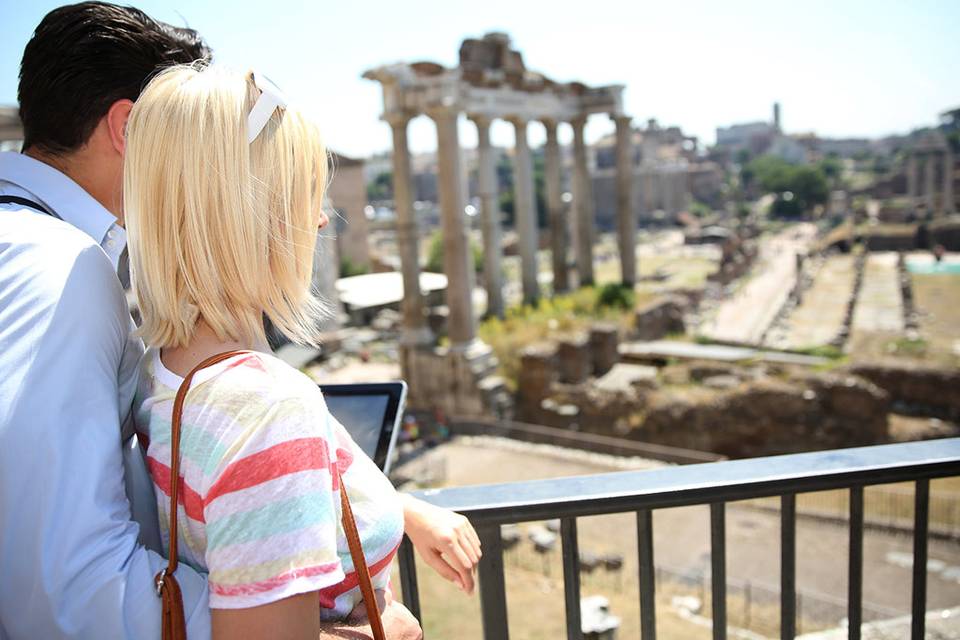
(84, 57)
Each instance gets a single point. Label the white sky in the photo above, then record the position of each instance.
(840, 68)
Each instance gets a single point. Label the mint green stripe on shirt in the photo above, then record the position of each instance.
(285, 516)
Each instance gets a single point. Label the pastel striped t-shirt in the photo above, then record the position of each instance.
(259, 506)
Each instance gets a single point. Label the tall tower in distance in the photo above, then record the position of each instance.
(776, 117)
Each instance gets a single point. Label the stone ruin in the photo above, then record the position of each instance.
(738, 254)
(491, 82)
(732, 409)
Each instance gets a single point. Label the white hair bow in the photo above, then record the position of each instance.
(270, 98)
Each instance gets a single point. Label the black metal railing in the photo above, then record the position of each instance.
(713, 484)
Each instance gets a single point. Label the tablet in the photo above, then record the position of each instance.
(371, 414)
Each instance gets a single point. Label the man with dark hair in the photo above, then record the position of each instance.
(71, 560)
(69, 553)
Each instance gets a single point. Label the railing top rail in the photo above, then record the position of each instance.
(701, 483)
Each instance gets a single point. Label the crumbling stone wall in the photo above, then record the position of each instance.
(750, 414)
(915, 388)
(771, 416)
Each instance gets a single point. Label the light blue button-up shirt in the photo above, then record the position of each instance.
(70, 562)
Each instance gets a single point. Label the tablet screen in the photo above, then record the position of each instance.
(362, 416)
(371, 413)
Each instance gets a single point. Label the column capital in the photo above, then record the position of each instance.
(440, 113)
(550, 126)
(398, 118)
(480, 119)
(621, 119)
(578, 122)
(517, 121)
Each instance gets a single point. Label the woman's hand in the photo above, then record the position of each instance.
(444, 539)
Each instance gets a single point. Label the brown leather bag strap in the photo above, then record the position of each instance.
(360, 562)
(173, 621)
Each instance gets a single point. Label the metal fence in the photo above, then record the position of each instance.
(714, 484)
(886, 507)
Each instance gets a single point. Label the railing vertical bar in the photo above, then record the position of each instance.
(408, 578)
(493, 595)
(718, 569)
(788, 566)
(571, 577)
(648, 620)
(855, 570)
(920, 523)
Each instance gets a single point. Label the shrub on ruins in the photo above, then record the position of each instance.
(435, 254)
(616, 295)
(349, 268)
(565, 314)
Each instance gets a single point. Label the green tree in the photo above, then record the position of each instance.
(348, 268)
(798, 188)
(435, 254)
(507, 196)
(381, 188)
(832, 168)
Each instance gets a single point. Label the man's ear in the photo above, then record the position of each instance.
(117, 123)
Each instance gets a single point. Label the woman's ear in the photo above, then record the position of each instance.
(117, 123)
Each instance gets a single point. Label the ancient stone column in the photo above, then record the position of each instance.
(929, 169)
(414, 330)
(583, 203)
(558, 225)
(949, 208)
(913, 191)
(626, 219)
(457, 257)
(525, 212)
(490, 215)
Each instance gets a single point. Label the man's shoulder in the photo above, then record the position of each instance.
(23, 226)
(57, 276)
(33, 244)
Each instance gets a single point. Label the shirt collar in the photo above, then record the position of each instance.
(58, 192)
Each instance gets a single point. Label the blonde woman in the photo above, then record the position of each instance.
(223, 185)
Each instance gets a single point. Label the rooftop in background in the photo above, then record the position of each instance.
(382, 289)
(10, 127)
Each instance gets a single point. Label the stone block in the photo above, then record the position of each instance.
(538, 372)
(574, 359)
(661, 317)
(604, 342)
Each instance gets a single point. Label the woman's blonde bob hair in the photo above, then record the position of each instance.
(220, 229)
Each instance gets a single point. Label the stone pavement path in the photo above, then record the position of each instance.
(744, 317)
(879, 306)
(819, 317)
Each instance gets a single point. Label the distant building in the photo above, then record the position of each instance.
(11, 131)
(752, 136)
(348, 197)
(758, 139)
(667, 172)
